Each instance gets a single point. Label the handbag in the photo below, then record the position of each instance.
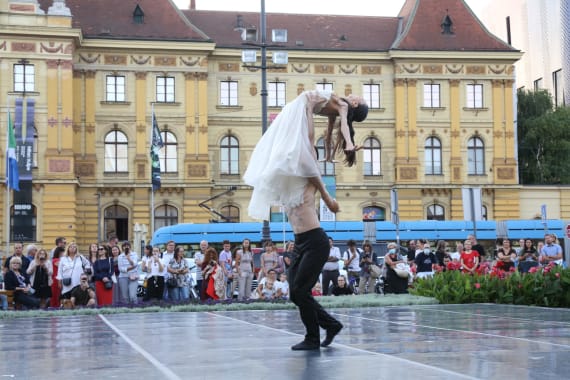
(108, 285)
(66, 281)
(133, 276)
(172, 282)
(402, 270)
(374, 270)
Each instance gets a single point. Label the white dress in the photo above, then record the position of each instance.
(282, 160)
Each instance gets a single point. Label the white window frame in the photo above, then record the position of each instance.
(115, 88)
(371, 94)
(229, 93)
(432, 95)
(276, 94)
(24, 77)
(165, 89)
(474, 93)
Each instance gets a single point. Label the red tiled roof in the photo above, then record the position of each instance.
(114, 19)
(423, 30)
(316, 32)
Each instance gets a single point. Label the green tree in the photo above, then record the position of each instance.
(543, 140)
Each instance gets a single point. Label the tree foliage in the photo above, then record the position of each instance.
(543, 140)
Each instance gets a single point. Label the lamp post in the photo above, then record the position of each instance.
(249, 36)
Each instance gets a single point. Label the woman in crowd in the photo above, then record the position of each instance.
(128, 275)
(528, 257)
(342, 289)
(395, 283)
(55, 290)
(214, 281)
(41, 276)
(71, 266)
(469, 258)
(115, 253)
(92, 257)
(19, 283)
(178, 268)
(506, 256)
(152, 265)
(367, 259)
(244, 265)
(269, 260)
(102, 273)
(441, 253)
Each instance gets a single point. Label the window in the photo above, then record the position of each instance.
(538, 84)
(431, 95)
(24, 77)
(165, 89)
(231, 214)
(558, 88)
(475, 156)
(373, 213)
(165, 215)
(115, 88)
(23, 220)
(276, 92)
(324, 86)
(116, 220)
(371, 93)
(327, 168)
(371, 156)
(474, 96)
(229, 155)
(433, 156)
(278, 214)
(138, 15)
(168, 154)
(35, 149)
(229, 93)
(435, 212)
(116, 155)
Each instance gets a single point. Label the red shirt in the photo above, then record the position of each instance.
(468, 259)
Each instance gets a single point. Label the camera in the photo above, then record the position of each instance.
(212, 263)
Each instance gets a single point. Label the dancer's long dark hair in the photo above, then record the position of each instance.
(357, 114)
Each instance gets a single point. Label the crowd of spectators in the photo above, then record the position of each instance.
(108, 274)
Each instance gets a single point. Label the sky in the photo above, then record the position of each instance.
(357, 7)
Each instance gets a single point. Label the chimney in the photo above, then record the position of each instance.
(192, 5)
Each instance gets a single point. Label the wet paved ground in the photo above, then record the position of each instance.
(415, 342)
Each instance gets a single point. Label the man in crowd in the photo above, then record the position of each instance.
(550, 252)
(82, 295)
(330, 269)
(18, 252)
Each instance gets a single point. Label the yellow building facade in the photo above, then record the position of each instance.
(92, 173)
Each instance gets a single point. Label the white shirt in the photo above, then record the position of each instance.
(332, 265)
(166, 259)
(73, 269)
(284, 286)
(354, 265)
(153, 269)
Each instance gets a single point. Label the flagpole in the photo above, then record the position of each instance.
(7, 195)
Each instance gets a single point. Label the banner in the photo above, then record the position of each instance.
(155, 145)
(12, 175)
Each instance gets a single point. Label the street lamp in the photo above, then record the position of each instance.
(249, 57)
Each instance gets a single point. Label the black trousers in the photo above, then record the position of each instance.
(328, 276)
(312, 248)
(154, 288)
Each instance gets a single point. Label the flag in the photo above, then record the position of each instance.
(12, 175)
(155, 145)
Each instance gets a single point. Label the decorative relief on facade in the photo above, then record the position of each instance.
(505, 173)
(231, 67)
(77, 74)
(411, 82)
(509, 82)
(90, 74)
(66, 65)
(300, 88)
(498, 134)
(412, 133)
(408, 173)
(456, 173)
(371, 69)
(454, 134)
(510, 69)
(51, 48)
(190, 61)
(90, 58)
(85, 170)
(347, 90)
(347, 69)
(454, 82)
(3, 46)
(203, 129)
(68, 49)
(140, 171)
(141, 128)
(277, 69)
(25, 47)
(253, 88)
(509, 134)
(475, 69)
(165, 61)
(76, 128)
(141, 75)
(401, 133)
(23, 7)
(399, 69)
(411, 68)
(398, 82)
(115, 59)
(454, 69)
(432, 69)
(197, 170)
(324, 69)
(190, 129)
(59, 166)
(52, 63)
(497, 82)
(202, 76)
(140, 60)
(300, 68)
(90, 128)
(497, 69)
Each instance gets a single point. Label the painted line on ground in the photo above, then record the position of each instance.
(390, 357)
(566, 346)
(158, 365)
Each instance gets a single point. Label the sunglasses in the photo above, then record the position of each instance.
(101, 249)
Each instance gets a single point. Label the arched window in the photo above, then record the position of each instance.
(433, 156)
(168, 154)
(231, 213)
(116, 152)
(371, 156)
(229, 155)
(435, 212)
(475, 156)
(116, 220)
(165, 215)
(373, 213)
(23, 222)
(327, 168)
